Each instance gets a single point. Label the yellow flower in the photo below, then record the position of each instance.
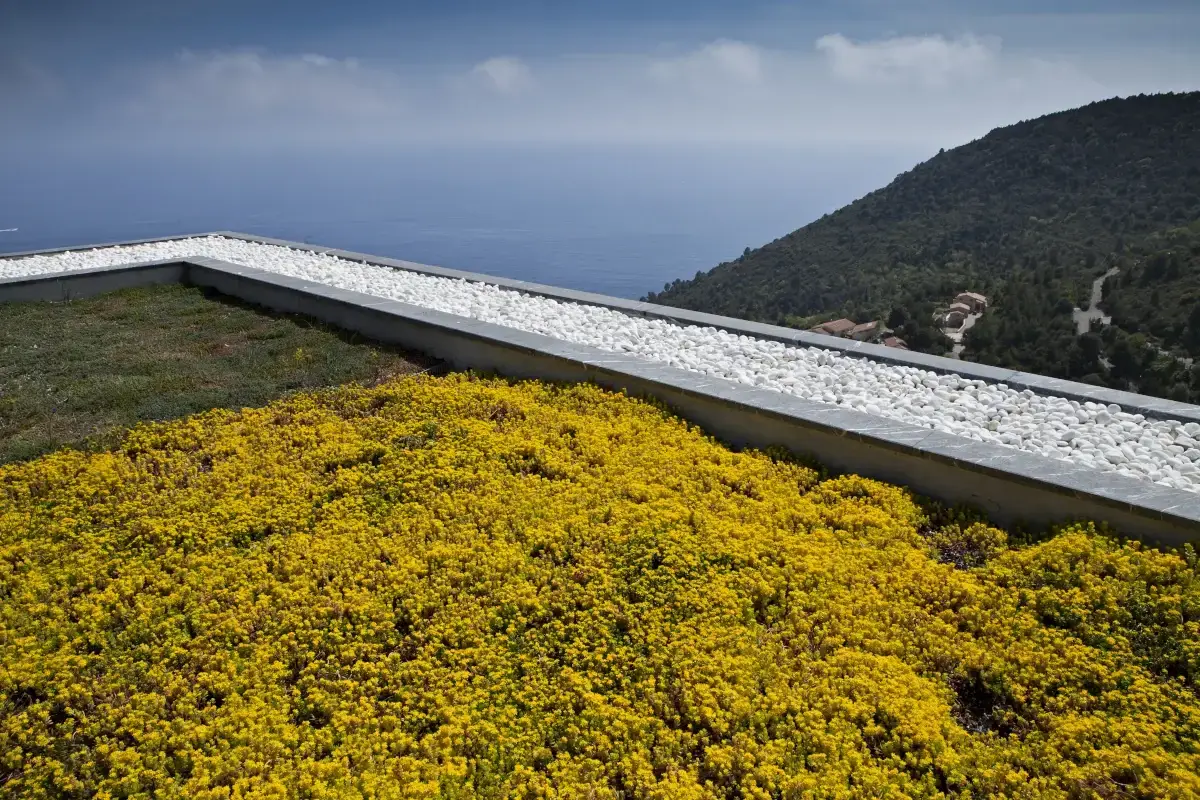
(457, 587)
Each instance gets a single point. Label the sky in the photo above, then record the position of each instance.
(217, 75)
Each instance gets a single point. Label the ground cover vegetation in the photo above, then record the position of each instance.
(1029, 215)
(458, 587)
(80, 373)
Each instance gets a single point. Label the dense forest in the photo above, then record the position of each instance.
(1029, 215)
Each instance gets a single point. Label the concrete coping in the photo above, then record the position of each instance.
(1152, 407)
(1153, 511)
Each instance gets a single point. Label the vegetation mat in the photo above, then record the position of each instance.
(82, 372)
(455, 587)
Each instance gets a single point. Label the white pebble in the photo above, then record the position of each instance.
(1104, 437)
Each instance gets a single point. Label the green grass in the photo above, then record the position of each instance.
(80, 373)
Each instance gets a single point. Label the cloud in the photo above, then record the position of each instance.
(249, 85)
(505, 74)
(926, 60)
(717, 62)
(923, 92)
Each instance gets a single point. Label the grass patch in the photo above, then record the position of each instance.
(78, 374)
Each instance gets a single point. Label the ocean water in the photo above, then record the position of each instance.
(617, 221)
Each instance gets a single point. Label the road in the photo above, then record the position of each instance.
(1084, 319)
(956, 334)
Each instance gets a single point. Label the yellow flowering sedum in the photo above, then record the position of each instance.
(456, 588)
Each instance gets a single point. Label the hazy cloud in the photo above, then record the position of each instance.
(716, 62)
(929, 91)
(928, 60)
(505, 74)
(248, 86)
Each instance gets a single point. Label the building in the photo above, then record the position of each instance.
(837, 327)
(975, 303)
(963, 307)
(848, 329)
(865, 332)
(895, 341)
(955, 318)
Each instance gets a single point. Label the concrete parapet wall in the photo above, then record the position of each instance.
(1154, 407)
(82, 283)
(1012, 486)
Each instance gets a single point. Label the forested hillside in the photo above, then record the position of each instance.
(1029, 215)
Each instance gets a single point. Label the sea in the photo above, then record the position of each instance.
(620, 221)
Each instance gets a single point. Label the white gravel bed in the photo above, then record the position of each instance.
(1104, 437)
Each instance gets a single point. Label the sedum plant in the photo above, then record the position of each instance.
(458, 587)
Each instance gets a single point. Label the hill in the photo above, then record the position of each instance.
(1030, 215)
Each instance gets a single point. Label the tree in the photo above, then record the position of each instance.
(1192, 333)
(1083, 356)
(1027, 215)
(1126, 360)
